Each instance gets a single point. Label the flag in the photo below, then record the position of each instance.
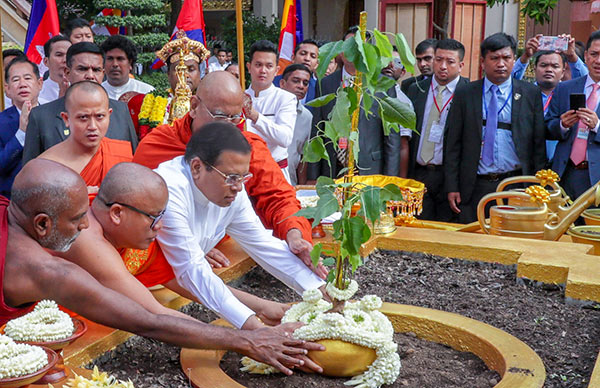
(299, 28)
(190, 20)
(105, 30)
(287, 36)
(43, 25)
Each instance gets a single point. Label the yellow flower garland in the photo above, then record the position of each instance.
(153, 110)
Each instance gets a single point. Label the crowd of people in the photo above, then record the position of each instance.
(86, 209)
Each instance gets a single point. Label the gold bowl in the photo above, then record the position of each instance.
(591, 216)
(342, 359)
(586, 234)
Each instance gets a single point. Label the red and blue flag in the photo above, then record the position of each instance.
(43, 25)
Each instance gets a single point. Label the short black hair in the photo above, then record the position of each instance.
(51, 41)
(21, 59)
(231, 64)
(293, 67)
(12, 53)
(263, 46)
(83, 47)
(354, 30)
(497, 42)
(452, 45)
(216, 46)
(305, 41)
(212, 139)
(222, 49)
(594, 36)
(425, 45)
(75, 23)
(539, 54)
(123, 43)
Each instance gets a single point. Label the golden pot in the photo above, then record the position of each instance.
(342, 359)
(513, 221)
(586, 234)
(557, 196)
(591, 216)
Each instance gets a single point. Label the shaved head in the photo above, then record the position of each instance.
(73, 94)
(126, 182)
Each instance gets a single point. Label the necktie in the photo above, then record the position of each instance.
(579, 149)
(491, 126)
(428, 147)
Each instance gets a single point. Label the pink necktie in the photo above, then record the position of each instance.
(579, 148)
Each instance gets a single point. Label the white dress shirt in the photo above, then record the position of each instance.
(49, 92)
(133, 85)
(216, 66)
(404, 99)
(438, 150)
(192, 225)
(301, 136)
(276, 119)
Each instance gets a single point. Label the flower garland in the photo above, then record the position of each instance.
(360, 323)
(153, 110)
(99, 380)
(20, 359)
(45, 323)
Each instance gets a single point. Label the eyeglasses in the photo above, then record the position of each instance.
(233, 119)
(154, 219)
(232, 179)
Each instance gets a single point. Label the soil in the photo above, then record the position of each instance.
(565, 336)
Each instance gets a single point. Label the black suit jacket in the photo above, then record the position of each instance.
(419, 80)
(418, 95)
(462, 142)
(46, 127)
(379, 154)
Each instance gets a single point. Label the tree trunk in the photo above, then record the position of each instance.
(175, 8)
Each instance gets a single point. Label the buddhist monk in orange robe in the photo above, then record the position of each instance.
(87, 151)
(219, 96)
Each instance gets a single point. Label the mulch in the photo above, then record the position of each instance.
(565, 336)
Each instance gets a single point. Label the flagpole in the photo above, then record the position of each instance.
(240, 42)
(1, 70)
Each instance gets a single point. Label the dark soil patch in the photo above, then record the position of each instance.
(566, 337)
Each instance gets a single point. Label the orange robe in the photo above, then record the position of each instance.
(273, 198)
(111, 152)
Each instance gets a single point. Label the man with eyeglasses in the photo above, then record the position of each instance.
(46, 127)
(87, 150)
(220, 97)
(207, 201)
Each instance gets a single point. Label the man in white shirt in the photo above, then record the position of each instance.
(271, 111)
(121, 54)
(296, 79)
(221, 63)
(55, 58)
(203, 206)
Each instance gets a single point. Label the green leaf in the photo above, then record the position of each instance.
(373, 60)
(350, 49)
(383, 83)
(355, 144)
(328, 261)
(398, 112)
(385, 47)
(326, 206)
(326, 53)
(331, 276)
(355, 233)
(330, 132)
(353, 97)
(367, 103)
(308, 212)
(355, 261)
(321, 101)
(337, 229)
(390, 192)
(360, 61)
(315, 254)
(340, 114)
(325, 185)
(314, 150)
(406, 56)
(370, 202)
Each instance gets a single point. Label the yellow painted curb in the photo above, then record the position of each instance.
(595, 379)
(517, 363)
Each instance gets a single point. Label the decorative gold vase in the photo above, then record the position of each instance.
(342, 359)
(557, 196)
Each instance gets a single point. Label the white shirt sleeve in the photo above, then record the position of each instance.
(20, 135)
(278, 129)
(193, 272)
(270, 252)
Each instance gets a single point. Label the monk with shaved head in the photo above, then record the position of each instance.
(220, 97)
(87, 150)
(49, 209)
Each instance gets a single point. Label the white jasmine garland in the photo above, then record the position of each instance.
(20, 359)
(45, 323)
(360, 323)
(342, 295)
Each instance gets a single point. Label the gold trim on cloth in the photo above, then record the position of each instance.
(136, 260)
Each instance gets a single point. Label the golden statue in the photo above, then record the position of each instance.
(182, 49)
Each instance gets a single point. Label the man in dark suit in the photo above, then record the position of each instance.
(85, 61)
(379, 154)
(306, 53)
(494, 130)
(431, 101)
(577, 155)
(424, 55)
(23, 85)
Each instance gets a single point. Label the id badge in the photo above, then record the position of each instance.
(435, 133)
(583, 133)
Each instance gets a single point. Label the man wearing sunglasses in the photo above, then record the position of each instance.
(220, 97)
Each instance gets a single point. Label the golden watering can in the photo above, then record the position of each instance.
(557, 195)
(532, 220)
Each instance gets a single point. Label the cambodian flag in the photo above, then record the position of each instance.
(105, 30)
(43, 25)
(190, 20)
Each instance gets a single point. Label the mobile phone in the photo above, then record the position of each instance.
(576, 101)
(554, 43)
